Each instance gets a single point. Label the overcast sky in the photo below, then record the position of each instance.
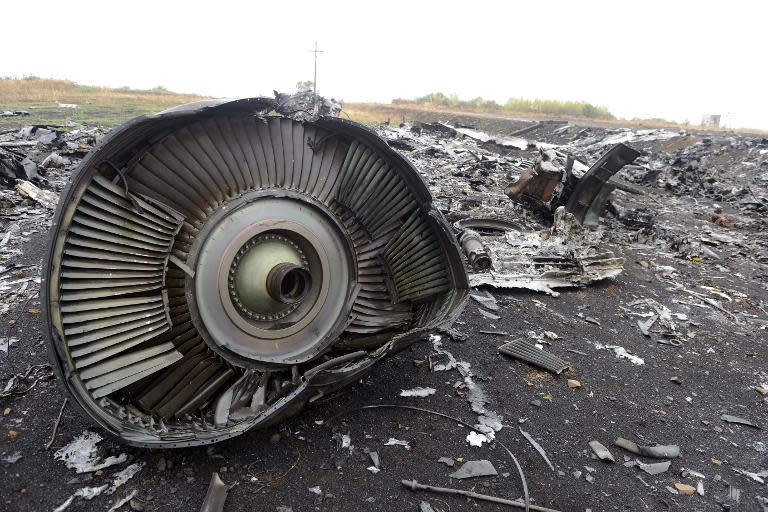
(669, 59)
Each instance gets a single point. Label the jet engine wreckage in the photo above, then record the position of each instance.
(216, 267)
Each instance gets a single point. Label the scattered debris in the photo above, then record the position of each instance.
(734, 494)
(591, 192)
(488, 421)
(556, 179)
(526, 497)
(680, 184)
(622, 353)
(122, 476)
(343, 441)
(601, 451)
(658, 452)
(741, 421)
(54, 161)
(6, 342)
(474, 468)
(573, 383)
(12, 458)
(448, 461)
(87, 493)
(396, 442)
(13, 113)
(568, 256)
(119, 503)
(759, 477)
(685, 489)
(45, 197)
(488, 314)
(418, 392)
(655, 468)
(22, 383)
(424, 506)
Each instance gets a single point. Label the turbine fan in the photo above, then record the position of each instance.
(219, 265)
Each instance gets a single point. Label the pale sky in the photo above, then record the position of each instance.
(670, 59)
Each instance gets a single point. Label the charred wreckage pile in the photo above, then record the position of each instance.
(220, 265)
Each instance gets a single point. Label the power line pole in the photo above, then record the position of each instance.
(314, 78)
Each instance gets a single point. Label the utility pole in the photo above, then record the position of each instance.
(314, 78)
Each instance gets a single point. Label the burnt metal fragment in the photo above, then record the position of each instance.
(474, 249)
(729, 418)
(527, 351)
(601, 451)
(555, 180)
(474, 468)
(543, 185)
(659, 452)
(591, 192)
(216, 495)
(218, 266)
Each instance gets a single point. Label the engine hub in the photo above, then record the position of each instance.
(283, 273)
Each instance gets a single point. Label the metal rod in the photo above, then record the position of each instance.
(416, 486)
(56, 425)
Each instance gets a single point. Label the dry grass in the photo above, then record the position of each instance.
(110, 107)
(37, 90)
(95, 105)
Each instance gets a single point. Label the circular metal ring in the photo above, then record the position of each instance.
(288, 283)
(299, 328)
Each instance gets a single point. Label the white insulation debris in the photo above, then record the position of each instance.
(82, 454)
(417, 392)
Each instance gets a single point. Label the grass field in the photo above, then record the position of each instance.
(376, 113)
(111, 107)
(95, 105)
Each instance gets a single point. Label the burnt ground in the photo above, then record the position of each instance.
(718, 367)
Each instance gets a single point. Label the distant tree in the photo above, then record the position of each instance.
(306, 85)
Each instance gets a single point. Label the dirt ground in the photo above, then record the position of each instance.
(676, 397)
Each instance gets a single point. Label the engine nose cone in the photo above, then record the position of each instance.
(262, 268)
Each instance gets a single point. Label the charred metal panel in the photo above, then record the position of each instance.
(591, 192)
